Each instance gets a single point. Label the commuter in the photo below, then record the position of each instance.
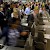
(45, 13)
(2, 17)
(3, 22)
(43, 4)
(40, 10)
(21, 9)
(32, 6)
(27, 10)
(5, 6)
(36, 10)
(12, 34)
(49, 8)
(15, 14)
(33, 16)
(17, 4)
(8, 12)
(24, 6)
(36, 15)
(39, 5)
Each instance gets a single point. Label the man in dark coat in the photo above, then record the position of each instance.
(1, 16)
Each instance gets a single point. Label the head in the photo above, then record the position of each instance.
(1, 9)
(15, 12)
(14, 9)
(28, 5)
(44, 8)
(17, 4)
(36, 10)
(20, 7)
(40, 8)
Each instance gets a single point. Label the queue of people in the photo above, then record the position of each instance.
(11, 15)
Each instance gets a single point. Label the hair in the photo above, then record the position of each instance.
(14, 21)
(1, 8)
(15, 11)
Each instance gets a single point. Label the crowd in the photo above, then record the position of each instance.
(11, 15)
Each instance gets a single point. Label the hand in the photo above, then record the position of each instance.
(24, 33)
